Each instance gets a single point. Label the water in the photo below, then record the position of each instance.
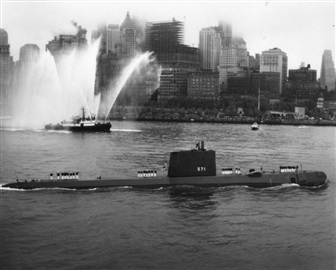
(286, 227)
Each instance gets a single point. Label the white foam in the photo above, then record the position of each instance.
(10, 189)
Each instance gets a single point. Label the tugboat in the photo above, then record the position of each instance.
(81, 124)
(255, 126)
(195, 167)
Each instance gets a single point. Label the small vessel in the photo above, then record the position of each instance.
(81, 124)
(195, 167)
(255, 126)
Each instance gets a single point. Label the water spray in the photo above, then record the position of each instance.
(115, 89)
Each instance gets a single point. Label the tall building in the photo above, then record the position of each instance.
(233, 59)
(225, 30)
(210, 48)
(29, 53)
(327, 71)
(127, 37)
(257, 57)
(165, 39)
(112, 38)
(275, 60)
(24, 71)
(6, 68)
(65, 43)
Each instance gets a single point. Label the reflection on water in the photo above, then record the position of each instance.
(192, 198)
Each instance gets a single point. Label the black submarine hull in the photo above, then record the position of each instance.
(264, 180)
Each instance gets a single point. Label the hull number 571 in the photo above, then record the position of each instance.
(201, 169)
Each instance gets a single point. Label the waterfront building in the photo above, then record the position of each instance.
(210, 48)
(165, 40)
(268, 83)
(6, 72)
(238, 83)
(300, 112)
(275, 60)
(302, 83)
(203, 84)
(327, 71)
(233, 59)
(128, 37)
(330, 105)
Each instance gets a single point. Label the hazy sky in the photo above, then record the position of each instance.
(302, 29)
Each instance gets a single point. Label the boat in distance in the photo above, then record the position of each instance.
(196, 167)
(81, 124)
(255, 126)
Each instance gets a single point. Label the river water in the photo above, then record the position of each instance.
(286, 227)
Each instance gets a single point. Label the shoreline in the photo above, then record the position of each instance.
(235, 121)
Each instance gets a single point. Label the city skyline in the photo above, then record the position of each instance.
(303, 30)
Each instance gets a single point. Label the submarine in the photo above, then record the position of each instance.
(194, 167)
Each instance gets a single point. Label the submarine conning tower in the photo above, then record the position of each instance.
(195, 162)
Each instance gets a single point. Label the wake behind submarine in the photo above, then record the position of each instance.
(195, 167)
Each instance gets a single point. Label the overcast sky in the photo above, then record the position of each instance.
(302, 29)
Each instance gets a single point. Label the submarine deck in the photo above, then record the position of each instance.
(304, 178)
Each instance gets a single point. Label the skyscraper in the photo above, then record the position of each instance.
(176, 59)
(164, 37)
(6, 68)
(210, 47)
(65, 43)
(327, 71)
(275, 60)
(225, 30)
(127, 37)
(29, 53)
(112, 38)
(233, 59)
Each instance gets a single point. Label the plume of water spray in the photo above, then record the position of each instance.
(115, 88)
(46, 92)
